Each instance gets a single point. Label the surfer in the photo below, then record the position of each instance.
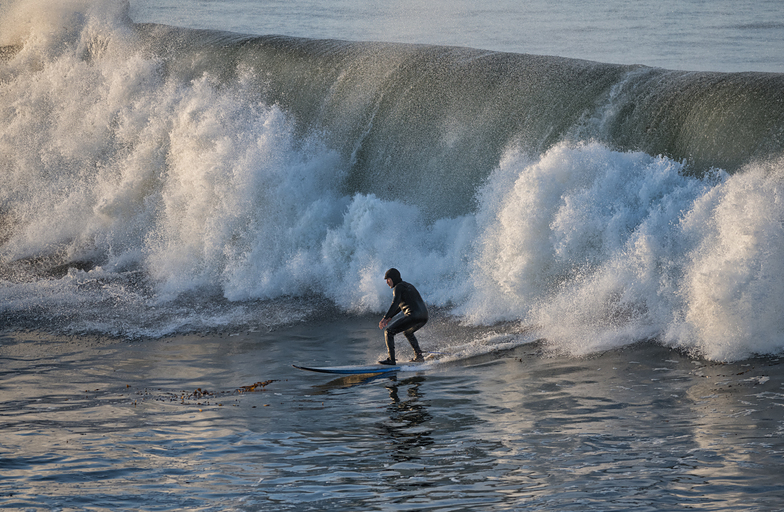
(405, 298)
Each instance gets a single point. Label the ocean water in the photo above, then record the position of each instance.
(196, 195)
(722, 35)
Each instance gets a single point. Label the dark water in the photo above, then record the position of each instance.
(104, 424)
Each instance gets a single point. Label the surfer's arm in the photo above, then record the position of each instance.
(394, 309)
(385, 321)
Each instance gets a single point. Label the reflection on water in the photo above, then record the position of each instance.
(408, 427)
(638, 428)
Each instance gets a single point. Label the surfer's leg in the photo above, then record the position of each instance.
(415, 345)
(389, 338)
(409, 334)
(407, 326)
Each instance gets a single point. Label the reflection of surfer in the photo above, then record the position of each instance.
(409, 429)
(405, 298)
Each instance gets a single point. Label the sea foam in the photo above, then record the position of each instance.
(157, 181)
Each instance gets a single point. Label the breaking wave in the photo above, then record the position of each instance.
(159, 180)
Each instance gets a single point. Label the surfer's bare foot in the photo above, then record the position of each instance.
(388, 361)
(418, 358)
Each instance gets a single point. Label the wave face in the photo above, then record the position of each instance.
(159, 180)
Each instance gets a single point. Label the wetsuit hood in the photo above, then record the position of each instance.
(393, 274)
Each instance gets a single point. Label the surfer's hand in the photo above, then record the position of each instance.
(383, 323)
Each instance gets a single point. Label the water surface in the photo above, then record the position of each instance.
(113, 425)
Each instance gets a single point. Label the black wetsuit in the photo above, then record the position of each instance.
(405, 298)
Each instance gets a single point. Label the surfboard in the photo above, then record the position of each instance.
(368, 368)
(352, 370)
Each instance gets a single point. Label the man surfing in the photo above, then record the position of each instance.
(405, 298)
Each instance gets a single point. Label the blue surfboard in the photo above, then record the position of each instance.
(367, 368)
(352, 370)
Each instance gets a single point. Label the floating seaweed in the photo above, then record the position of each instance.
(253, 387)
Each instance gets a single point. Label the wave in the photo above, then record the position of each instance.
(159, 180)
(440, 118)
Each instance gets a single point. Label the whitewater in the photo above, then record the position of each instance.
(595, 204)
